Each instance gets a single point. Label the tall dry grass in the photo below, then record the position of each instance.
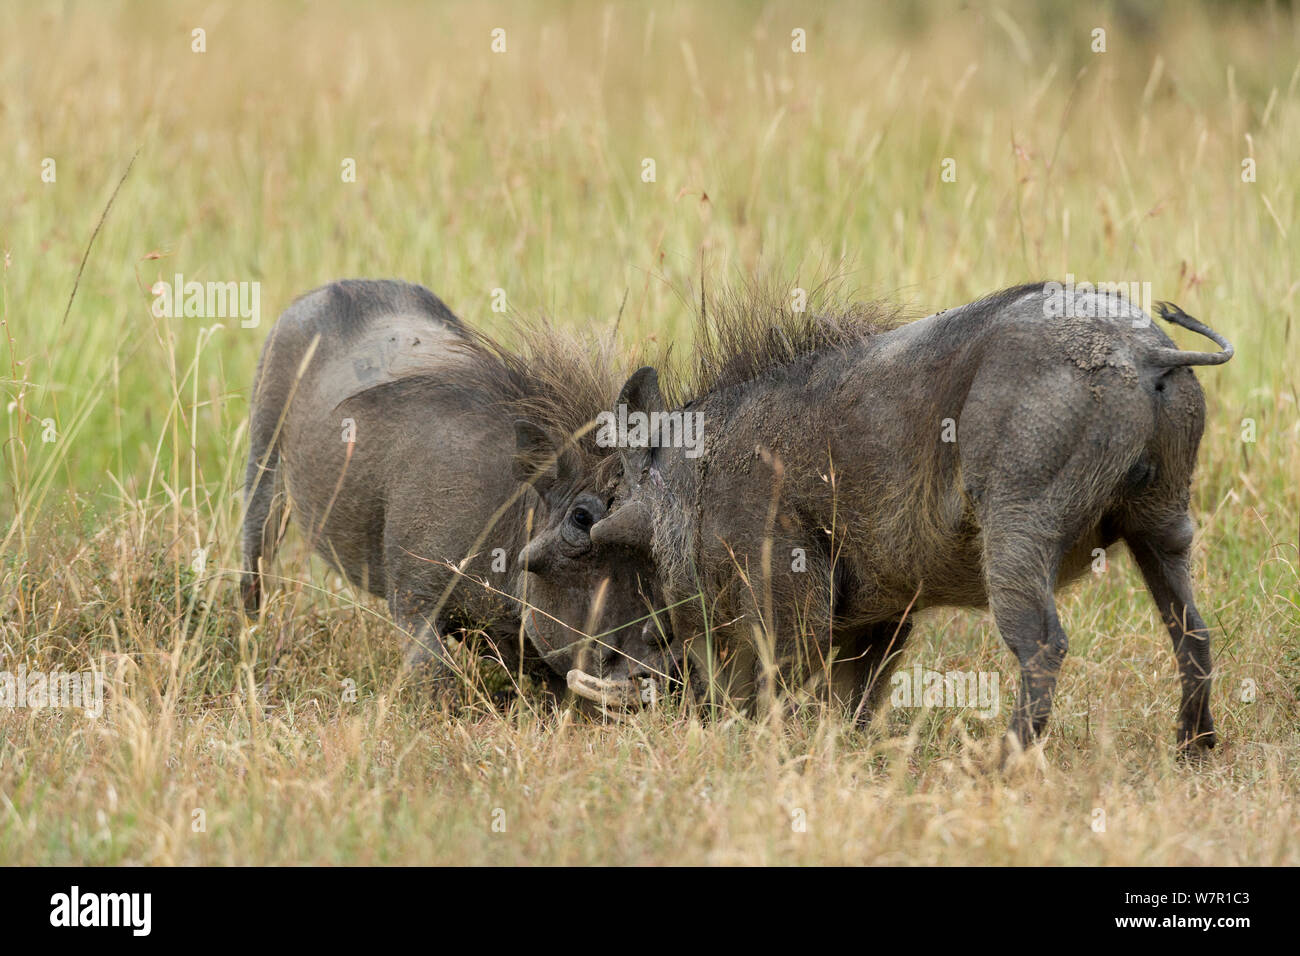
(521, 171)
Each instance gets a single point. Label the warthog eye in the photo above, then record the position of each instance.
(582, 518)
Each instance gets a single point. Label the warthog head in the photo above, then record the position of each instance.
(588, 608)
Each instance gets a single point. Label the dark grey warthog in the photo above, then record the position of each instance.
(402, 438)
(975, 457)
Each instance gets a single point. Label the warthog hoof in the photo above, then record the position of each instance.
(1195, 747)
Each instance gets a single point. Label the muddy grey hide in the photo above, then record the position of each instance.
(977, 457)
(419, 458)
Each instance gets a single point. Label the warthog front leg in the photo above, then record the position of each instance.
(426, 650)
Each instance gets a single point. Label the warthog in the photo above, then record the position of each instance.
(979, 456)
(403, 439)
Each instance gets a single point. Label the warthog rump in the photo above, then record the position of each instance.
(852, 476)
(419, 457)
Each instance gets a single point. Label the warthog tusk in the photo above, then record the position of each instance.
(607, 693)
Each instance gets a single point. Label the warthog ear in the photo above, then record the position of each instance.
(537, 459)
(627, 526)
(640, 393)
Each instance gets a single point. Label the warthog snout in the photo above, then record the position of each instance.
(533, 558)
(635, 677)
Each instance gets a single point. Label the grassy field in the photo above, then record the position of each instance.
(522, 171)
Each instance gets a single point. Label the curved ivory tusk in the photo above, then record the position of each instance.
(607, 693)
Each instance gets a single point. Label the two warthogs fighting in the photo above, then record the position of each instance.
(849, 471)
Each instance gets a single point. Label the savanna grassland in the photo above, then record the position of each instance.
(1169, 158)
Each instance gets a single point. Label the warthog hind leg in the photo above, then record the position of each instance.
(1163, 559)
(877, 651)
(1033, 631)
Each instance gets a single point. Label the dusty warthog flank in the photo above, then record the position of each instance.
(419, 456)
(975, 457)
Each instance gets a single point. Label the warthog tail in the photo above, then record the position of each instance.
(1170, 358)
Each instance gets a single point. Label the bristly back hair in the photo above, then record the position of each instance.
(744, 331)
(553, 379)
